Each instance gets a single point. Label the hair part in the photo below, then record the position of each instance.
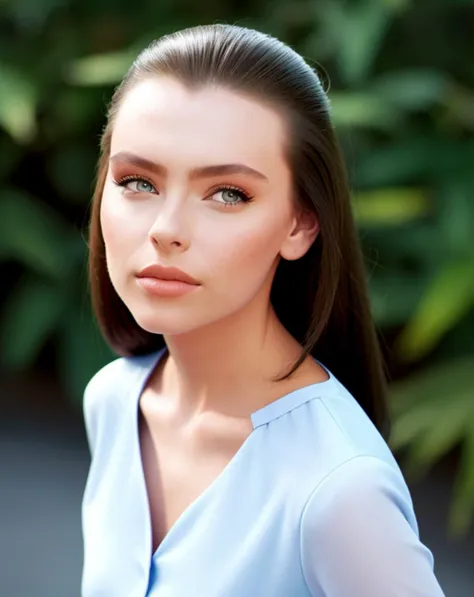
(328, 309)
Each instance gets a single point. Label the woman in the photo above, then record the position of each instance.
(237, 444)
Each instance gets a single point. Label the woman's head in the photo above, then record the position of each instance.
(230, 237)
(279, 231)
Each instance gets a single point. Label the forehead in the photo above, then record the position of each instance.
(160, 114)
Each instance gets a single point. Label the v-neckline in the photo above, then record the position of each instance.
(258, 418)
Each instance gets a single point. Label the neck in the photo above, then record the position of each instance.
(227, 367)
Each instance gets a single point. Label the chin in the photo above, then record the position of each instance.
(157, 318)
(173, 319)
(162, 323)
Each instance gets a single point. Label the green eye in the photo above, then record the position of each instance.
(137, 185)
(230, 196)
(144, 186)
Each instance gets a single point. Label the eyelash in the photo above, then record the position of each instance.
(245, 197)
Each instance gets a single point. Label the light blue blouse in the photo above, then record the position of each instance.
(312, 504)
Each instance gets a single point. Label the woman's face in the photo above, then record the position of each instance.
(157, 209)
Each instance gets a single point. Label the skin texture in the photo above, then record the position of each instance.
(224, 339)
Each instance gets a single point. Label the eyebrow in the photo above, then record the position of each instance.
(195, 173)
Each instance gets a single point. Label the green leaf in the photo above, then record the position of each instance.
(390, 206)
(413, 157)
(34, 235)
(461, 514)
(459, 106)
(455, 222)
(32, 14)
(415, 424)
(432, 385)
(447, 299)
(17, 104)
(360, 109)
(29, 316)
(100, 69)
(396, 164)
(359, 29)
(444, 434)
(433, 412)
(411, 89)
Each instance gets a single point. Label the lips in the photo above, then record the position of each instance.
(167, 273)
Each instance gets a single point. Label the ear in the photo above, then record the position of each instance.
(303, 233)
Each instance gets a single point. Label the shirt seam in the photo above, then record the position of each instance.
(318, 395)
(313, 492)
(336, 422)
(267, 421)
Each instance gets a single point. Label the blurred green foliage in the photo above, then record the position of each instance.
(402, 93)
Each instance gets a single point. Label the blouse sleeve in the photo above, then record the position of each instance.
(88, 411)
(100, 392)
(359, 536)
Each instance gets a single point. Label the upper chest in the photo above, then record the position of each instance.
(221, 522)
(180, 464)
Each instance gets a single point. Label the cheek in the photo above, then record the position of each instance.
(239, 257)
(122, 230)
(123, 233)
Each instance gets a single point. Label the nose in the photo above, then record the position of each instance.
(168, 228)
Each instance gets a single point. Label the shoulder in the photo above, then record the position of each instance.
(330, 447)
(352, 465)
(360, 519)
(355, 487)
(103, 382)
(109, 388)
(344, 425)
(326, 430)
(356, 461)
(104, 385)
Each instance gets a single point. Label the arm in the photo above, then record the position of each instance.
(359, 536)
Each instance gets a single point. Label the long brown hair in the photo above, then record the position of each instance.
(321, 298)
